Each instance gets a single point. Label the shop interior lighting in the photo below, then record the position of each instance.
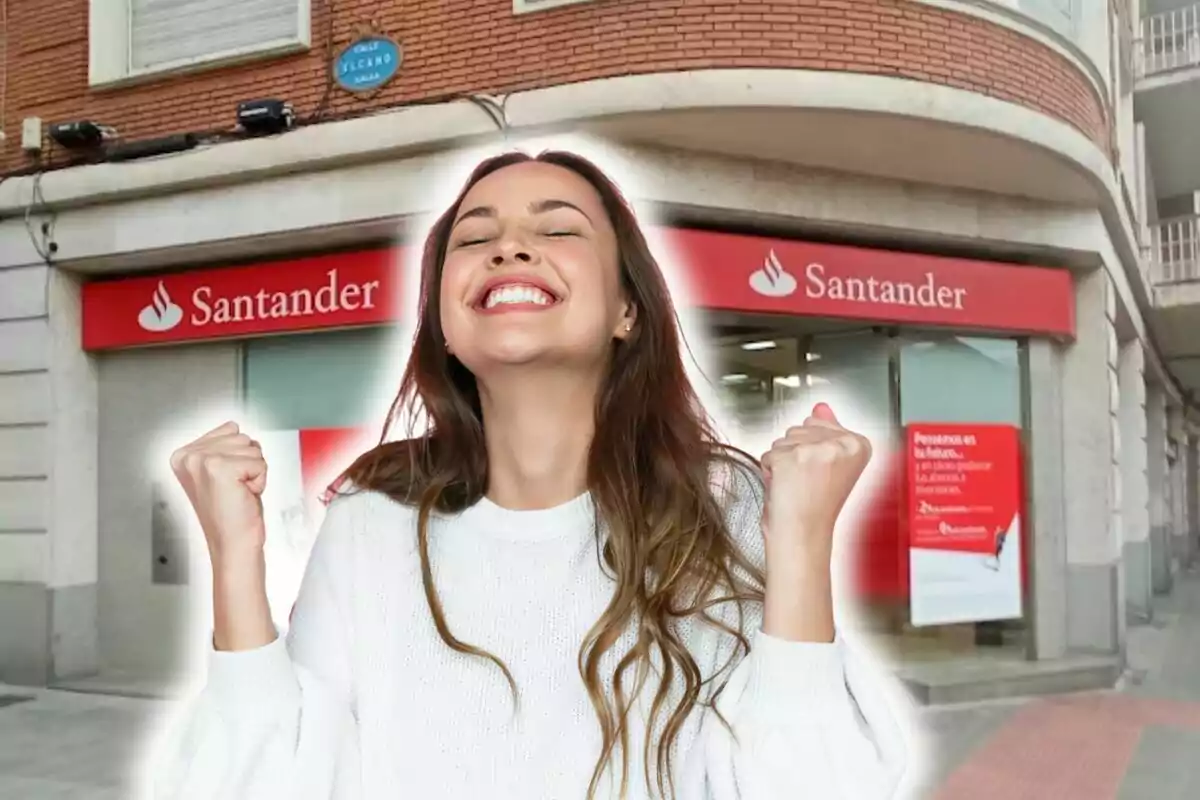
(766, 345)
(735, 377)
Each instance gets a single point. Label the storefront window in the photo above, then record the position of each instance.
(856, 365)
(295, 388)
(892, 380)
(959, 379)
(316, 380)
(333, 380)
(758, 374)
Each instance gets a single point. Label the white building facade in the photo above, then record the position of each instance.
(1039, 212)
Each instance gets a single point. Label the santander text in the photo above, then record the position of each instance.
(330, 298)
(927, 294)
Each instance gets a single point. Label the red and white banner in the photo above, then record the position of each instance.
(964, 520)
(749, 273)
(329, 291)
(726, 271)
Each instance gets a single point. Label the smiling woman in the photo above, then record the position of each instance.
(536, 241)
(561, 522)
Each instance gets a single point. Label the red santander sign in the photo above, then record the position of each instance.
(328, 291)
(735, 273)
(726, 272)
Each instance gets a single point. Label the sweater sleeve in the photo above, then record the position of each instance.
(278, 721)
(797, 719)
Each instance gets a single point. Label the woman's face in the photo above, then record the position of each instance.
(531, 272)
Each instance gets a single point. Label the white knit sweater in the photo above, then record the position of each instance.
(362, 699)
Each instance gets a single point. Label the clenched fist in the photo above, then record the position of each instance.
(224, 475)
(810, 473)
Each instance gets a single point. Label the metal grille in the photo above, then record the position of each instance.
(164, 32)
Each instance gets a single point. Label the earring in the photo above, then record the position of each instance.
(628, 327)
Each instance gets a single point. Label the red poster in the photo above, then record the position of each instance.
(964, 485)
(725, 271)
(964, 521)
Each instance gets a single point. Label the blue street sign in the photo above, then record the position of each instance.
(367, 63)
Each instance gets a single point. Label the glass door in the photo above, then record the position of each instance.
(948, 378)
(854, 368)
(855, 371)
(759, 373)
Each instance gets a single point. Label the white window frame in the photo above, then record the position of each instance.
(109, 60)
(1067, 25)
(533, 6)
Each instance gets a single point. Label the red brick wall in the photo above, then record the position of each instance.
(459, 46)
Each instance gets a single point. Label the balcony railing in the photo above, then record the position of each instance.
(1170, 40)
(1175, 250)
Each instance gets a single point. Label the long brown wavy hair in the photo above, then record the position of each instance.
(661, 532)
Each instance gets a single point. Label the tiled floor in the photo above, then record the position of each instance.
(1087, 746)
(1142, 743)
(64, 746)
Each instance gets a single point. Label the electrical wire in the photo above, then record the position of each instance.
(495, 110)
(46, 247)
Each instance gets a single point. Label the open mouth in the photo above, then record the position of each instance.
(516, 295)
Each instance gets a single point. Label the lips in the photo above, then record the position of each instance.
(522, 291)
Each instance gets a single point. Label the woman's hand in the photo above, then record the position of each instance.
(224, 475)
(810, 473)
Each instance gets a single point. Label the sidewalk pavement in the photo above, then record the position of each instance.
(1141, 742)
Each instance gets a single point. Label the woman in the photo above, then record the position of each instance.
(562, 589)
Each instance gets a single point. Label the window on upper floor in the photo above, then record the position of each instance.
(1059, 15)
(527, 6)
(132, 38)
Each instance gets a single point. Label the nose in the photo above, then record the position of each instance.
(512, 249)
(522, 256)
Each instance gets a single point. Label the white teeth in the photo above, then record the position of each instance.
(517, 294)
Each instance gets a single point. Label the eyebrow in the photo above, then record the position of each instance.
(536, 207)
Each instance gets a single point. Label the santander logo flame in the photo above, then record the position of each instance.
(773, 280)
(162, 314)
